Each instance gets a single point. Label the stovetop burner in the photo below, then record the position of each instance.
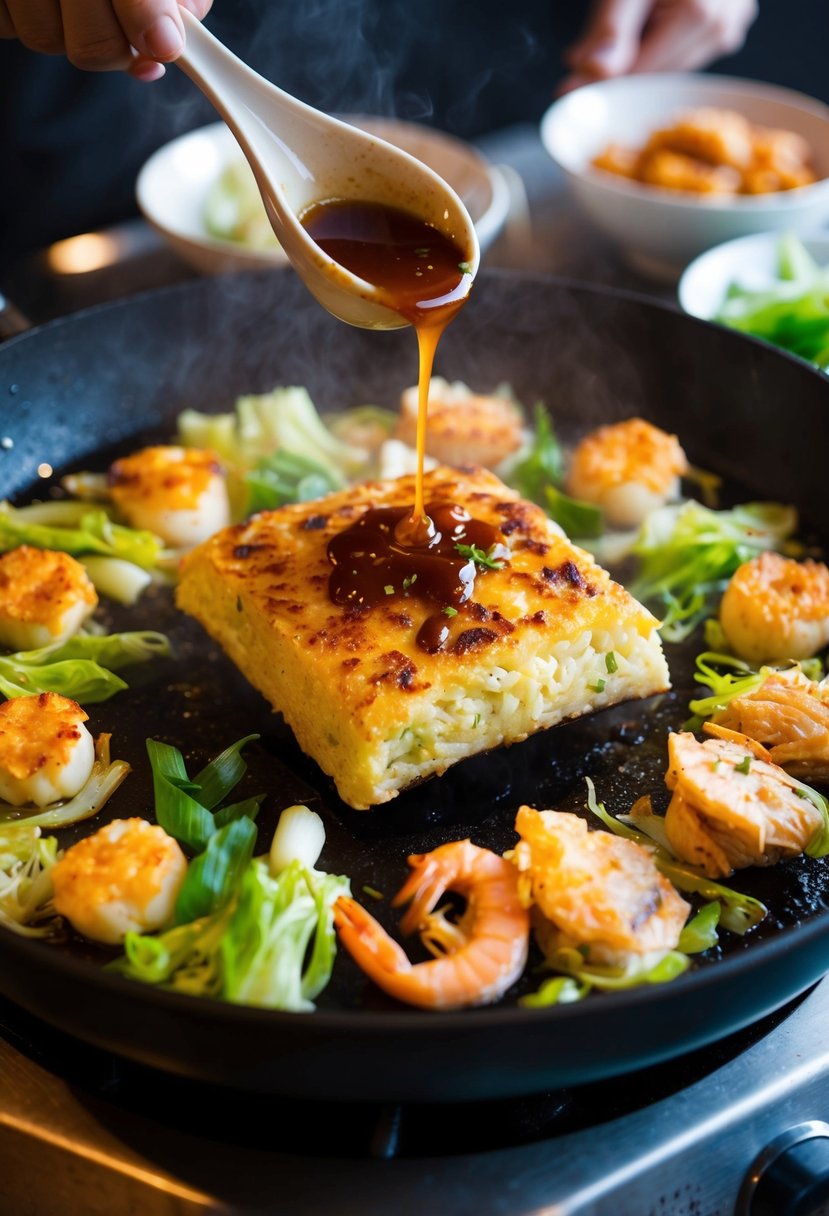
(83, 1132)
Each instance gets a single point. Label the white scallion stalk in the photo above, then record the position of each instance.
(61, 513)
(117, 579)
(299, 836)
(94, 487)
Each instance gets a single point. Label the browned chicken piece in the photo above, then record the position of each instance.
(714, 151)
(624, 162)
(718, 137)
(788, 714)
(731, 806)
(678, 171)
(465, 428)
(792, 179)
(599, 893)
(763, 180)
(780, 151)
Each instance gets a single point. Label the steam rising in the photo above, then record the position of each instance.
(467, 70)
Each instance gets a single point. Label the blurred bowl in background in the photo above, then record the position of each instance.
(749, 261)
(187, 186)
(659, 231)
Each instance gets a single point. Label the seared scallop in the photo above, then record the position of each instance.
(776, 608)
(46, 752)
(465, 428)
(178, 493)
(45, 597)
(123, 879)
(628, 469)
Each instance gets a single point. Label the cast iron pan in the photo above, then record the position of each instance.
(80, 389)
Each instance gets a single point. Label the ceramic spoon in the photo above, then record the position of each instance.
(301, 156)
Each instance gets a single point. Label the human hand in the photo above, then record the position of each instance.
(135, 36)
(625, 36)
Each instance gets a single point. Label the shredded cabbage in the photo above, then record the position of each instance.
(282, 420)
(792, 312)
(88, 531)
(580, 977)
(539, 476)
(687, 552)
(26, 859)
(273, 944)
(82, 668)
(741, 680)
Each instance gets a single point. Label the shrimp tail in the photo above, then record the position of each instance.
(367, 941)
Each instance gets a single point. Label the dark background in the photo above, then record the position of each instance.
(71, 143)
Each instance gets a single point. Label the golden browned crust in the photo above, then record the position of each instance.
(347, 677)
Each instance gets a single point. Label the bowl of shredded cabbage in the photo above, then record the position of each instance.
(772, 285)
(199, 192)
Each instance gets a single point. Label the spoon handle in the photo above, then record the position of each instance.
(222, 76)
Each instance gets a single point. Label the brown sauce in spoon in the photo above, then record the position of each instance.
(424, 276)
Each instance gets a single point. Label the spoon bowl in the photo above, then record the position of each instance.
(300, 156)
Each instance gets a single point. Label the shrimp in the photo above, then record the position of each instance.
(731, 806)
(600, 893)
(789, 714)
(477, 959)
(775, 608)
(464, 427)
(628, 469)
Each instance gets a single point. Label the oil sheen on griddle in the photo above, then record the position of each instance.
(424, 277)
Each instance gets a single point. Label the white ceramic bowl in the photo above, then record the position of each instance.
(750, 261)
(173, 185)
(659, 231)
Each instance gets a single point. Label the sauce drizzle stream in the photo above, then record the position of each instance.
(423, 275)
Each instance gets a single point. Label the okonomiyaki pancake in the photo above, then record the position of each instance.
(544, 636)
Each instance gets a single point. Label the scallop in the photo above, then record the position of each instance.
(123, 879)
(775, 608)
(45, 597)
(628, 469)
(46, 752)
(465, 428)
(178, 493)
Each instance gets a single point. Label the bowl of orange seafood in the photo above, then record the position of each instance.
(668, 165)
